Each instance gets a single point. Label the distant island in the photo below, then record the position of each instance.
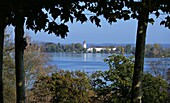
(151, 50)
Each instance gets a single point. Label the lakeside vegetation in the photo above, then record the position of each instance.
(54, 17)
(151, 50)
(49, 84)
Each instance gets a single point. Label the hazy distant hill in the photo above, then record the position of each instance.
(133, 45)
(107, 44)
(165, 45)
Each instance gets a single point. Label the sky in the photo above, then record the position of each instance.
(121, 32)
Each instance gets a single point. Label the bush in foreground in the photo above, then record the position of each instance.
(111, 86)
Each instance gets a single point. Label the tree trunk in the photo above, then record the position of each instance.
(19, 63)
(2, 29)
(139, 58)
(1, 59)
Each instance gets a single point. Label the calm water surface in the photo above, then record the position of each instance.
(87, 62)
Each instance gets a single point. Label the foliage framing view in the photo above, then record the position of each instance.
(19, 12)
(113, 85)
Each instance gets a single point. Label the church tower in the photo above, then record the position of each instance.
(84, 45)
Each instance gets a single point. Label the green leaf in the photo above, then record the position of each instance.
(157, 14)
(96, 20)
(126, 17)
(151, 21)
(71, 19)
(134, 16)
(162, 22)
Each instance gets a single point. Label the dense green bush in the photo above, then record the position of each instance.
(114, 85)
(63, 87)
(111, 86)
(154, 89)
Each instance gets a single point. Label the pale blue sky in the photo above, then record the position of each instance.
(120, 32)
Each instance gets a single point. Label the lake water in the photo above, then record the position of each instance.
(87, 62)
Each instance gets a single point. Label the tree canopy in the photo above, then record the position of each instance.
(52, 16)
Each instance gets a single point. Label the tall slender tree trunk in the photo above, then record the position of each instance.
(139, 57)
(19, 63)
(2, 29)
(1, 58)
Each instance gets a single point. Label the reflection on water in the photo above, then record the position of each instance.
(87, 62)
(85, 56)
(79, 57)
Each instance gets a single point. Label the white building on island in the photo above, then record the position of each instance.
(84, 45)
(97, 48)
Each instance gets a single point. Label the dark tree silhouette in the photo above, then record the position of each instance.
(3, 24)
(112, 10)
(1, 59)
(35, 13)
